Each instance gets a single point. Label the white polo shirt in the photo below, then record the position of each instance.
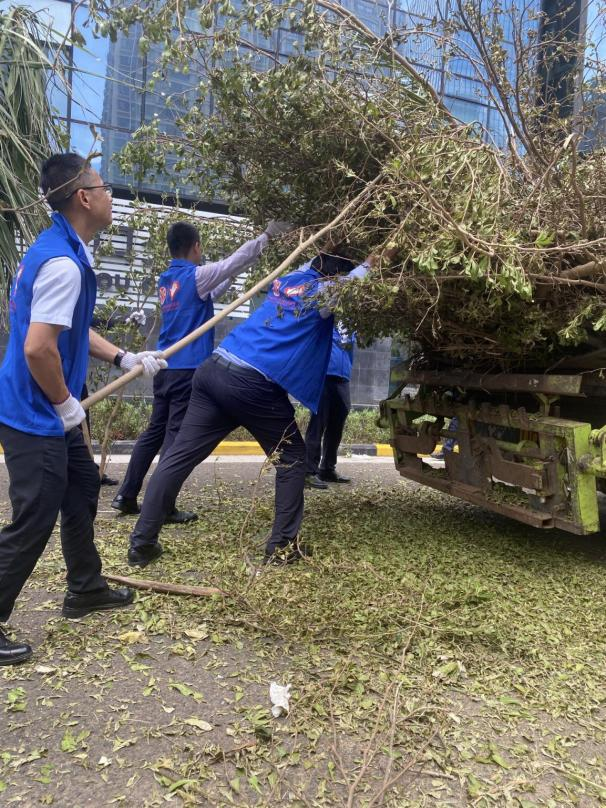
(56, 291)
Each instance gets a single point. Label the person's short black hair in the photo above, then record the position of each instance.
(181, 237)
(332, 264)
(60, 176)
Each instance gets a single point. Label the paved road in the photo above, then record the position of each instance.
(234, 469)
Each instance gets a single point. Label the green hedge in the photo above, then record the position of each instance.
(132, 418)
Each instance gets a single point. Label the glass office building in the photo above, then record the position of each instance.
(109, 81)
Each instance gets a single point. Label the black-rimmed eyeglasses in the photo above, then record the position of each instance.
(107, 188)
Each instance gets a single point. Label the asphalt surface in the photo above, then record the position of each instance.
(242, 470)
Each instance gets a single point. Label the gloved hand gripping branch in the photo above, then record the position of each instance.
(138, 317)
(277, 228)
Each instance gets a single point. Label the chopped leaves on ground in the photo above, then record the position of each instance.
(438, 655)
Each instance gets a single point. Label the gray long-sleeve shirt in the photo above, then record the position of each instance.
(216, 277)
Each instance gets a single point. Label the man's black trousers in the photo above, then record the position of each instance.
(172, 391)
(48, 476)
(224, 397)
(325, 429)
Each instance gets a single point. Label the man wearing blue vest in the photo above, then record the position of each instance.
(282, 348)
(50, 469)
(325, 428)
(186, 291)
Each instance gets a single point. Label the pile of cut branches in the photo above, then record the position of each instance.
(500, 232)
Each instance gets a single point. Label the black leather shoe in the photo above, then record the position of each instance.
(331, 476)
(12, 653)
(180, 517)
(144, 555)
(105, 480)
(290, 554)
(125, 505)
(78, 605)
(313, 481)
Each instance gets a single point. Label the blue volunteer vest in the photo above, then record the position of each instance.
(286, 338)
(23, 405)
(341, 354)
(182, 312)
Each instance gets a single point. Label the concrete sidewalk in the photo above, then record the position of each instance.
(251, 447)
(119, 459)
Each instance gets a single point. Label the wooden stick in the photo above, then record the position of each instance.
(584, 270)
(87, 440)
(159, 586)
(118, 383)
(222, 754)
(106, 436)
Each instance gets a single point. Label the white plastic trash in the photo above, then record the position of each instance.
(279, 696)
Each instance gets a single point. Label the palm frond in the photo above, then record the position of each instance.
(30, 59)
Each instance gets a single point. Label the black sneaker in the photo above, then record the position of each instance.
(178, 517)
(13, 653)
(125, 505)
(290, 554)
(313, 481)
(144, 555)
(78, 605)
(105, 480)
(332, 476)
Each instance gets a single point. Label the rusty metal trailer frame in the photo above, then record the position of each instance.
(524, 460)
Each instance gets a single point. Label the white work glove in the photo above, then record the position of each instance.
(70, 412)
(139, 317)
(150, 360)
(276, 228)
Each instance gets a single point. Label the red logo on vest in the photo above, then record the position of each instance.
(174, 288)
(162, 295)
(295, 291)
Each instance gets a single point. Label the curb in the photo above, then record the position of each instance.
(251, 447)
